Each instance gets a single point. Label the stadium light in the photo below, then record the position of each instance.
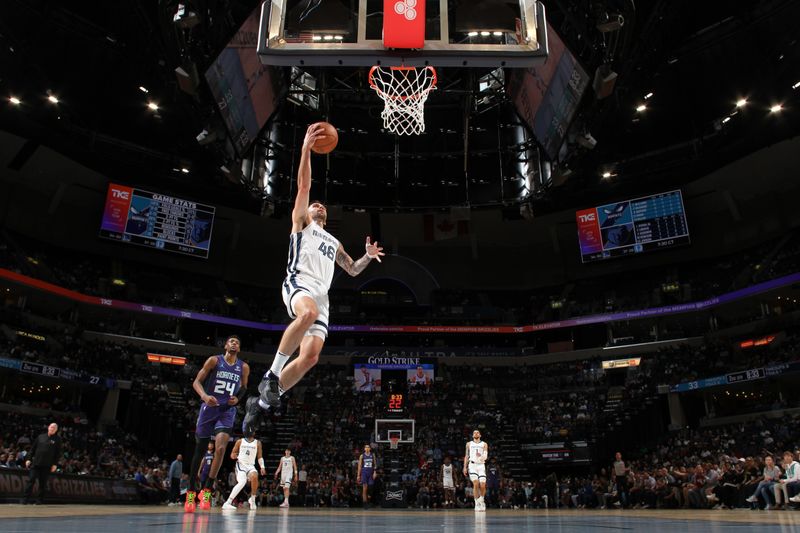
(640, 108)
(741, 102)
(316, 37)
(472, 34)
(14, 100)
(777, 108)
(606, 174)
(648, 96)
(726, 119)
(184, 170)
(152, 106)
(53, 99)
(143, 89)
(484, 34)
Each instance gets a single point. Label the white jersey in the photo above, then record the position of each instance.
(312, 259)
(477, 452)
(248, 451)
(418, 380)
(447, 475)
(287, 469)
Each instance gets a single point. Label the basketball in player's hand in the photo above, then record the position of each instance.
(326, 142)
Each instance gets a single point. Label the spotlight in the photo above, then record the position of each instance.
(472, 34)
(484, 34)
(606, 174)
(143, 89)
(796, 85)
(497, 33)
(640, 108)
(726, 120)
(338, 37)
(152, 106)
(648, 96)
(741, 102)
(184, 170)
(52, 98)
(328, 37)
(14, 100)
(316, 38)
(777, 108)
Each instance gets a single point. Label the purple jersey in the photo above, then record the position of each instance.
(206, 465)
(224, 381)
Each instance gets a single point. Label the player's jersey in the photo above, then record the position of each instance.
(367, 461)
(447, 474)
(418, 380)
(312, 258)
(365, 382)
(208, 458)
(224, 381)
(476, 451)
(248, 451)
(287, 470)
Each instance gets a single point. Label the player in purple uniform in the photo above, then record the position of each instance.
(221, 384)
(366, 473)
(205, 466)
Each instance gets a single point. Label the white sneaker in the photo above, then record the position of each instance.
(768, 507)
(752, 499)
(228, 507)
(795, 499)
(253, 505)
(285, 504)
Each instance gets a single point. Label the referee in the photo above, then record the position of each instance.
(42, 461)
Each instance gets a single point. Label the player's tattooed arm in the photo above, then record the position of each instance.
(354, 268)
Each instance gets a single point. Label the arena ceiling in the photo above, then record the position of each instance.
(696, 59)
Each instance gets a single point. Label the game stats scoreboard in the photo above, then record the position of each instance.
(156, 220)
(633, 226)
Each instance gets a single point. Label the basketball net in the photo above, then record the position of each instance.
(393, 442)
(404, 91)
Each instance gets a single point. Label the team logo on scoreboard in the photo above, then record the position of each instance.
(122, 195)
(406, 8)
(589, 217)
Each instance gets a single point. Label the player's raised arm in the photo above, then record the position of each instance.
(235, 451)
(197, 384)
(354, 268)
(300, 210)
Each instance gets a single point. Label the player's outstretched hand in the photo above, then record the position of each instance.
(210, 401)
(373, 250)
(313, 133)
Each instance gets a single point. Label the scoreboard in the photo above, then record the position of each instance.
(633, 226)
(156, 220)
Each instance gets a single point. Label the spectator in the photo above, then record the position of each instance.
(175, 473)
(42, 461)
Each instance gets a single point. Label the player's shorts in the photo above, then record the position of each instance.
(243, 471)
(213, 420)
(448, 484)
(366, 477)
(286, 481)
(477, 472)
(293, 287)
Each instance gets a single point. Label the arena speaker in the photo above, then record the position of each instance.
(604, 80)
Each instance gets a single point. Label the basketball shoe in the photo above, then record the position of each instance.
(189, 506)
(205, 500)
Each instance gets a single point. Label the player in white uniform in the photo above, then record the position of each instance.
(420, 378)
(309, 272)
(365, 381)
(245, 452)
(448, 482)
(287, 468)
(475, 457)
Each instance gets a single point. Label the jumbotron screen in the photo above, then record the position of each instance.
(633, 226)
(157, 221)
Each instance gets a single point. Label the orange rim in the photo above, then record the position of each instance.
(415, 96)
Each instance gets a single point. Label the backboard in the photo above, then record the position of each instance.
(465, 33)
(386, 428)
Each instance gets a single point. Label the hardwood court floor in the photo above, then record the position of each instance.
(119, 519)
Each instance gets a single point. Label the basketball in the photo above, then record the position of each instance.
(327, 142)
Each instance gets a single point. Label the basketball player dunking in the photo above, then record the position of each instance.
(309, 272)
(287, 468)
(221, 383)
(366, 473)
(475, 457)
(448, 483)
(245, 452)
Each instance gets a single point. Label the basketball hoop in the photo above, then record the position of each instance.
(404, 91)
(393, 440)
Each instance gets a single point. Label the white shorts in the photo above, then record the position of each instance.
(292, 289)
(477, 472)
(243, 471)
(286, 481)
(448, 484)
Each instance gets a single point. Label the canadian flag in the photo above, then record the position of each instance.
(403, 23)
(442, 226)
